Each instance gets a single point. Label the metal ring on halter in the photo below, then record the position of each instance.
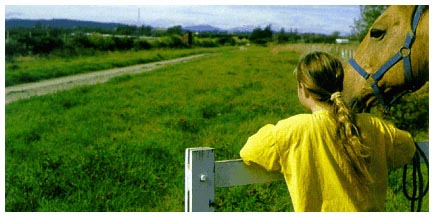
(402, 53)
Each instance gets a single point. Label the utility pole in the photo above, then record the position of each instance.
(138, 24)
(138, 18)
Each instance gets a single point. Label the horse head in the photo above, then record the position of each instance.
(391, 60)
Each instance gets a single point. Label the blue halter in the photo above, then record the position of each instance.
(402, 54)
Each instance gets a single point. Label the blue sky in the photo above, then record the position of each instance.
(310, 18)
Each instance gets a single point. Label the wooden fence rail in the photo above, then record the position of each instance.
(203, 174)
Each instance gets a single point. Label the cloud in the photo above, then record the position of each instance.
(325, 19)
(9, 15)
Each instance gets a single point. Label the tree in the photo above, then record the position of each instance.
(174, 30)
(260, 36)
(267, 32)
(335, 34)
(369, 13)
(146, 30)
(293, 35)
(46, 44)
(126, 30)
(282, 37)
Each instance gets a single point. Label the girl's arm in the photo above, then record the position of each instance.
(404, 148)
(261, 149)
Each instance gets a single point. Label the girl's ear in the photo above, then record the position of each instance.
(303, 90)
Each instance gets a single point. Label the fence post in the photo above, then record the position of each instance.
(199, 179)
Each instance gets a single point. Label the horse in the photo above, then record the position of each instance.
(391, 60)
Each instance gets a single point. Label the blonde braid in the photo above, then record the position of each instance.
(348, 133)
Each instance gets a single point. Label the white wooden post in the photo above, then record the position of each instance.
(199, 179)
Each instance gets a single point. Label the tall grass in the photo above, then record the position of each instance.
(342, 51)
(119, 146)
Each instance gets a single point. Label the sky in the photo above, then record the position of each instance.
(325, 19)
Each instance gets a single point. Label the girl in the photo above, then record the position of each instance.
(332, 159)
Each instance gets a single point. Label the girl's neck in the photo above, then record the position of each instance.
(320, 107)
(315, 106)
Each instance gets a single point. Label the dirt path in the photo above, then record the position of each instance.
(24, 91)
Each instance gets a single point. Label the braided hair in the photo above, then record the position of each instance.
(322, 75)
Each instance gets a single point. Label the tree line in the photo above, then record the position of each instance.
(45, 40)
(42, 39)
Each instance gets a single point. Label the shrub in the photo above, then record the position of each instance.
(14, 48)
(176, 41)
(206, 42)
(142, 44)
(411, 112)
(123, 43)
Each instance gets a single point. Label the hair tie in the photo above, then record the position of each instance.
(335, 95)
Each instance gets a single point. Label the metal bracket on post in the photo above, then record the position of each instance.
(199, 179)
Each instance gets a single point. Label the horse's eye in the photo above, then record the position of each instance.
(377, 33)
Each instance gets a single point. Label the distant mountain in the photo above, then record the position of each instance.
(203, 28)
(58, 23)
(70, 24)
(242, 29)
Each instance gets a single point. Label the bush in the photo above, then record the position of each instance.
(140, 44)
(240, 41)
(177, 42)
(226, 40)
(14, 48)
(102, 43)
(123, 43)
(205, 42)
(45, 45)
(161, 42)
(411, 113)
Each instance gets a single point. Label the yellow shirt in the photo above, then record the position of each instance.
(304, 149)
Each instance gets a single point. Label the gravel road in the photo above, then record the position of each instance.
(28, 90)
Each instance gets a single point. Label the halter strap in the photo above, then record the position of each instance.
(417, 16)
(359, 69)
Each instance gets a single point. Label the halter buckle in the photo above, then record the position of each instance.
(404, 51)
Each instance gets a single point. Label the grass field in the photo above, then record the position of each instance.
(31, 69)
(119, 146)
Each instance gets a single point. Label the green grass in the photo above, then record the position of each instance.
(31, 69)
(119, 146)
